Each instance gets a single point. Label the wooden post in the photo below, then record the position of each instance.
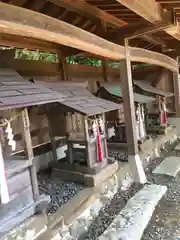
(53, 141)
(86, 135)
(129, 115)
(4, 193)
(26, 136)
(105, 74)
(62, 67)
(69, 144)
(177, 96)
(105, 133)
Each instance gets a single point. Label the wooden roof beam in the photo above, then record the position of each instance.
(149, 9)
(25, 23)
(152, 12)
(153, 40)
(119, 35)
(89, 11)
(33, 44)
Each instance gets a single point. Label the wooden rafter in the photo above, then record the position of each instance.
(25, 23)
(17, 2)
(89, 11)
(119, 35)
(148, 9)
(152, 12)
(37, 6)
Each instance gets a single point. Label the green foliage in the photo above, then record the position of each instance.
(35, 55)
(83, 61)
(25, 54)
(141, 65)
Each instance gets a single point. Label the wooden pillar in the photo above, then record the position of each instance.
(86, 135)
(129, 115)
(69, 144)
(176, 83)
(26, 136)
(177, 90)
(105, 74)
(52, 138)
(62, 66)
(106, 137)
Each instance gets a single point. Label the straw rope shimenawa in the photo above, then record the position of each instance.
(11, 119)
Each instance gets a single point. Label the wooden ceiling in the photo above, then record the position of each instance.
(110, 19)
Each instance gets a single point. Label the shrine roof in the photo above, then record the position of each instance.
(145, 86)
(79, 98)
(16, 92)
(116, 91)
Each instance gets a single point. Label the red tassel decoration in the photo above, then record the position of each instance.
(165, 117)
(100, 153)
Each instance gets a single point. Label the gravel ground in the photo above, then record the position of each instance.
(59, 191)
(165, 223)
(109, 211)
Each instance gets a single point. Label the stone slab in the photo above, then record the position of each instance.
(134, 218)
(169, 166)
(89, 180)
(35, 225)
(177, 148)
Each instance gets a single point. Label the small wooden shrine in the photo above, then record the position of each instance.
(19, 191)
(115, 120)
(82, 120)
(157, 112)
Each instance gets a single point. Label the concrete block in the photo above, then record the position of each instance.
(131, 222)
(169, 166)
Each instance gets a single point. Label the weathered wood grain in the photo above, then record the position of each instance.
(16, 92)
(79, 98)
(22, 22)
(152, 12)
(15, 166)
(11, 209)
(23, 180)
(90, 11)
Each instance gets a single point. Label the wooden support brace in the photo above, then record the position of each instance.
(88, 153)
(105, 74)
(105, 133)
(177, 91)
(177, 97)
(26, 136)
(69, 145)
(129, 115)
(63, 68)
(53, 141)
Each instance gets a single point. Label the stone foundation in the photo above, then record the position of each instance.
(81, 210)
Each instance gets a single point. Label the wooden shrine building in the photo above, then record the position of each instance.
(81, 118)
(101, 29)
(128, 32)
(19, 188)
(157, 117)
(116, 121)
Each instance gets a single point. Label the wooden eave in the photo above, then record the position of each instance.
(112, 91)
(22, 22)
(147, 87)
(77, 97)
(15, 92)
